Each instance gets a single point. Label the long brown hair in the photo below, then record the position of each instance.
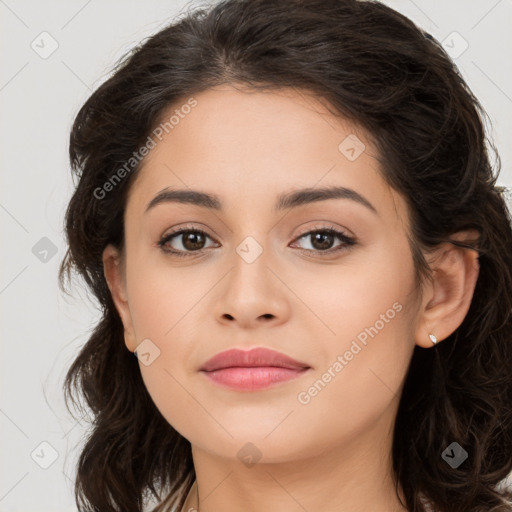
(374, 67)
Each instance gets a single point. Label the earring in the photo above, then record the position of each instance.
(433, 339)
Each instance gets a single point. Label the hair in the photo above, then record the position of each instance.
(376, 68)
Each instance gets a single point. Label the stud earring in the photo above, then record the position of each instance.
(433, 339)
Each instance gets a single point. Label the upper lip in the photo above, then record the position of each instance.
(250, 359)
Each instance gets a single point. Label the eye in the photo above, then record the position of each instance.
(322, 240)
(190, 240)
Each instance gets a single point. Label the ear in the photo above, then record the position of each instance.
(114, 271)
(447, 297)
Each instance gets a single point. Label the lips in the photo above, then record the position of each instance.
(252, 370)
(258, 357)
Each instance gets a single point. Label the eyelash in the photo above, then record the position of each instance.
(347, 241)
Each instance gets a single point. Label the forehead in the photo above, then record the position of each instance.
(253, 144)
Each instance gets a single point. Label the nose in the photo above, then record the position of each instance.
(252, 293)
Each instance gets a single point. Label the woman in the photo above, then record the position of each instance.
(287, 213)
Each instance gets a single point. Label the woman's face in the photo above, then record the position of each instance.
(256, 279)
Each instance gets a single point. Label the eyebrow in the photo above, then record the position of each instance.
(285, 201)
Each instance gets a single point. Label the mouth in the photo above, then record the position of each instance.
(253, 378)
(252, 370)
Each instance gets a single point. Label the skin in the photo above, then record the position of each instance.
(248, 147)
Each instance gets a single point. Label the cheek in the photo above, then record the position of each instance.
(159, 315)
(352, 296)
(368, 321)
(161, 296)
(162, 301)
(367, 362)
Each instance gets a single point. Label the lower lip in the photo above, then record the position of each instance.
(253, 379)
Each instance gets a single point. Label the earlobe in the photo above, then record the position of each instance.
(449, 294)
(113, 270)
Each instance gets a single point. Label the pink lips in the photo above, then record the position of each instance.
(252, 370)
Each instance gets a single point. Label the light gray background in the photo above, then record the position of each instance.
(41, 329)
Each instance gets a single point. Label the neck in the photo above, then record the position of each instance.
(356, 475)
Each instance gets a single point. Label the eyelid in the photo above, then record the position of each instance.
(325, 227)
(185, 227)
(305, 231)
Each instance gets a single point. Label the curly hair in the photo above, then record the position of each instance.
(376, 68)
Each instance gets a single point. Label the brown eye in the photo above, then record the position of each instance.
(192, 240)
(322, 240)
(187, 240)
